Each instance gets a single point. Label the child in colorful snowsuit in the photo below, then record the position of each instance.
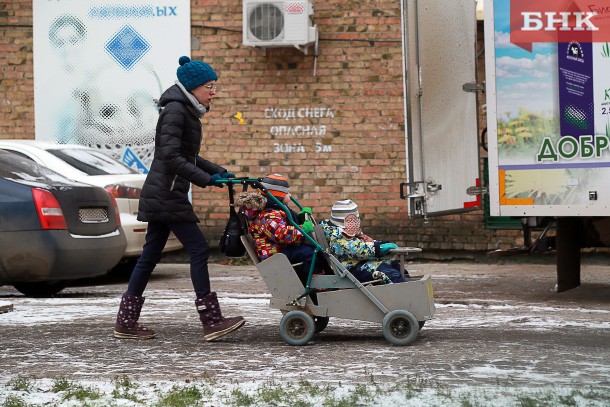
(272, 232)
(359, 253)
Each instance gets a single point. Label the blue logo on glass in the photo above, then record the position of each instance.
(127, 47)
(132, 160)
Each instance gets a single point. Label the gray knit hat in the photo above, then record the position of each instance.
(193, 74)
(341, 209)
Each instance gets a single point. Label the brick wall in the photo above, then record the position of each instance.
(16, 77)
(334, 125)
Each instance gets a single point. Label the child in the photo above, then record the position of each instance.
(359, 253)
(272, 232)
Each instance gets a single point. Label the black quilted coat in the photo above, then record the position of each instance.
(176, 162)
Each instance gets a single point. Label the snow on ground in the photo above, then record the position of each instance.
(479, 349)
(467, 313)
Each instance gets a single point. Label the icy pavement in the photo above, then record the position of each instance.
(498, 331)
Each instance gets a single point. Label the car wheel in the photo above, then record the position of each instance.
(41, 289)
(125, 267)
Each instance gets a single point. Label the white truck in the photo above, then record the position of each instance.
(548, 119)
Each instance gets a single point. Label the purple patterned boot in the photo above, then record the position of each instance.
(127, 326)
(214, 324)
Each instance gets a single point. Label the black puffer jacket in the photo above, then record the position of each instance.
(176, 162)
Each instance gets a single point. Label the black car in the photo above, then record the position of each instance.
(53, 229)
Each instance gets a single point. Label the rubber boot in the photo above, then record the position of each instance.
(127, 326)
(214, 324)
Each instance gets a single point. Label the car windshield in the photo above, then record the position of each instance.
(20, 169)
(92, 162)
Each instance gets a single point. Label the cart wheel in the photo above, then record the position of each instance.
(297, 328)
(320, 323)
(400, 327)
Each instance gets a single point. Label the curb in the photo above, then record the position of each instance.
(5, 307)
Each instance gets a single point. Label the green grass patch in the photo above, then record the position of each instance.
(20, 383)
(240, 398)
(61, 384)
(82, 393)
(124, 388)
(24, 391)
(73, 390)
(14, 401)
(180, 397)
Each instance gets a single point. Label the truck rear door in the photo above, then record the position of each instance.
(441, 106)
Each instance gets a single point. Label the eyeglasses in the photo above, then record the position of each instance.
(211, 88)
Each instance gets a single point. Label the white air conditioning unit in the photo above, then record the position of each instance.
(282, 23)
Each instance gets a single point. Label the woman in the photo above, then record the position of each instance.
(164, 202)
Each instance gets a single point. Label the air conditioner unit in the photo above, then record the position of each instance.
(278, 23)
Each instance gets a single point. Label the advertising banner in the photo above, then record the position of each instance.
(549, 99)
(99, 68)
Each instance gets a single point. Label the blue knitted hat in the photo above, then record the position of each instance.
(192, 74)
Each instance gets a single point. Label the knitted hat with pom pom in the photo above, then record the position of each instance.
(276, 184)
(193, 74)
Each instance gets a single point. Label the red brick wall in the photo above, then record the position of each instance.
(16, 70)
(354, 101)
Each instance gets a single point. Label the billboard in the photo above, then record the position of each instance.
(548, 106)
(99, 67)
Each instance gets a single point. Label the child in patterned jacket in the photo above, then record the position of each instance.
(272, 232)
(359, 253)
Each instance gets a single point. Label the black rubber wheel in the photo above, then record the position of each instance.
(400, 327)
(320, 323)
(40, 289)
(297, 328)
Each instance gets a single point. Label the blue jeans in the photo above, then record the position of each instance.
(189, 234)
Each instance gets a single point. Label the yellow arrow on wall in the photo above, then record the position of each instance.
(239, 117)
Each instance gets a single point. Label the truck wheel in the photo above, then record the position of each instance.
(400, 327)
(297, 328)
(320, 323)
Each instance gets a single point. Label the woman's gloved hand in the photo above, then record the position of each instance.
(386, 247)
(227, 175)
(214, 179)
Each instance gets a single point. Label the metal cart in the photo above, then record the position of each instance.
(401, 308)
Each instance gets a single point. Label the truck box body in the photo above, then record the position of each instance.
(548, 119)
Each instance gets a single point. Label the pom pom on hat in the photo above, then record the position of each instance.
(193, 74)
(277, 185)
